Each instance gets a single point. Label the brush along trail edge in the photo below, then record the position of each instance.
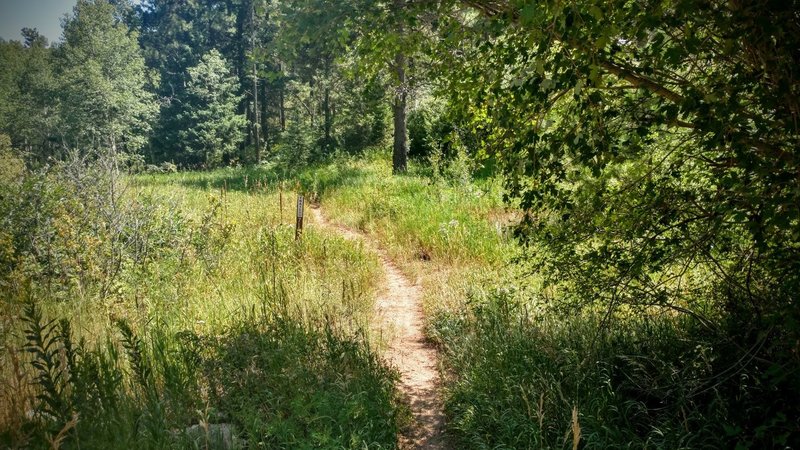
(399, 311)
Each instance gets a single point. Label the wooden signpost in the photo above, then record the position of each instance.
(298, 231)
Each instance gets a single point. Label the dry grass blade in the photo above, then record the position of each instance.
(576, 429)
(55, 442)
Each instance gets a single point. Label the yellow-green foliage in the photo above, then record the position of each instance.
(12, 167)
(248, 250)
(12, 170)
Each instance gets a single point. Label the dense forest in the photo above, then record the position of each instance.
(599, 200)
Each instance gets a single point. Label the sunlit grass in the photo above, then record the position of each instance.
(449, 236)
(295, 317)
(217, 261)
(253, 251)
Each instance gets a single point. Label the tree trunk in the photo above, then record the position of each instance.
(265, 118)
(313, 105)
(256, 120)
(282, 111)
(328, 125)
(281, 104)
(400, 148)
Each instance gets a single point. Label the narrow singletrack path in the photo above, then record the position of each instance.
(399, 310)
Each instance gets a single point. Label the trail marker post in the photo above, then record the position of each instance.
(298, 230)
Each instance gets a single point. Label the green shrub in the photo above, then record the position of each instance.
(428, 132)
(12, 166)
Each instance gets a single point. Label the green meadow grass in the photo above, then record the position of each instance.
(451, 237)
(216, 317)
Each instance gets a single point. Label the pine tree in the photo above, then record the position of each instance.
(215, 129)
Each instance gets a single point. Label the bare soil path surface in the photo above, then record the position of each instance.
(399, 311)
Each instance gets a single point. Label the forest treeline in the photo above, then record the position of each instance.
(651, 148)
(206, 84)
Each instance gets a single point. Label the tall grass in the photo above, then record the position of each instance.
(268, 379)
(188, 315)
(448, 233)
(204, 321)
(518, 373)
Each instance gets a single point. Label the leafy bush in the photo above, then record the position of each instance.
(75, 229)
(649, 198)
(428, 132)
(12, 166)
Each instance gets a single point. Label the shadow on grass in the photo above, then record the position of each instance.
(286, 385)
(316, 179)
(271, 380)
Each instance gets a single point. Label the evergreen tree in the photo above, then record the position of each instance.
(28, 115)
(175, 35)
(215, 128)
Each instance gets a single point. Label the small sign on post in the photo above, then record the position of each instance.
(298, 231)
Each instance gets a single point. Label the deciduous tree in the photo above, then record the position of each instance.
(102, 81)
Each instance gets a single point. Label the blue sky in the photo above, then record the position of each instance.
(44, 15)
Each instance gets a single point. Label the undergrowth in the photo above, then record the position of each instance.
(651, 381)
(269, 380)
(188, 316)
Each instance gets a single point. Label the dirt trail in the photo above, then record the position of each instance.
(399, 309)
